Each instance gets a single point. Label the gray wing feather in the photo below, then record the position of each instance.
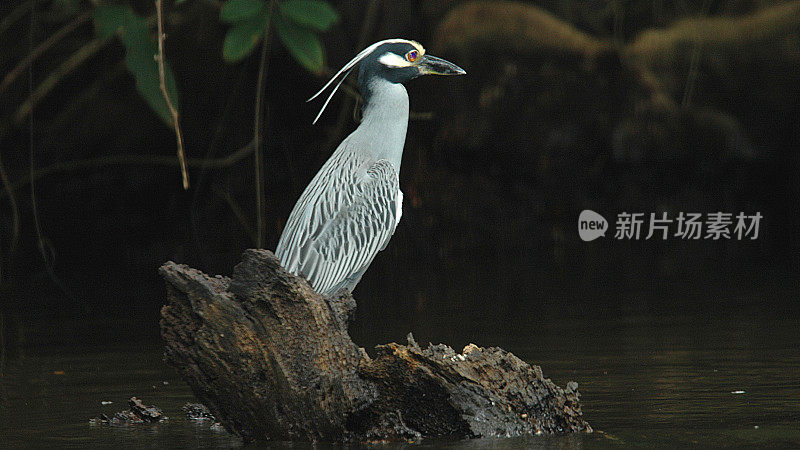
(345, 216)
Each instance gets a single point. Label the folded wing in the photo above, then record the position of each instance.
(346, 215)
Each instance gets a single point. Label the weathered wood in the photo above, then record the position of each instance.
(137, 413)
(272, 359)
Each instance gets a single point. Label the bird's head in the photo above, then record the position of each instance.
(393, 60)
(399, 60)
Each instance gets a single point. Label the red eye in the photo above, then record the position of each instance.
(412, 56)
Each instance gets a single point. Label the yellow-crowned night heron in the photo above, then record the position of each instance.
(350, 209)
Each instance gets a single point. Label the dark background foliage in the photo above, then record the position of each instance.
(611, 106)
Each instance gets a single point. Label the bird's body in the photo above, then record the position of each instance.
(349, 211)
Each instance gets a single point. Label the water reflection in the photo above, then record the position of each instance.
(645, 382)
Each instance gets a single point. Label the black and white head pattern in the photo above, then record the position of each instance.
(395, 60)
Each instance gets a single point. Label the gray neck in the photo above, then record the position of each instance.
(385, 121)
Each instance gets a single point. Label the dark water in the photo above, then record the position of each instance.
(653, 381)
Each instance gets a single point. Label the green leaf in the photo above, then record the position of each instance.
(121, 20)
(65, 8)
(141, 63)
(302, 43)
(108, 19)
(140, 53)
(243, 37)
(238, 10)
(316, 14)
(180, 2)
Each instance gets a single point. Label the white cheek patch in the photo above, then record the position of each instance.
(393, 60)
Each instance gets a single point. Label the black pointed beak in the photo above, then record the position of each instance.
(431, 65)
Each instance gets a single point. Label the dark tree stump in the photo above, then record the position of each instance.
(272, 359)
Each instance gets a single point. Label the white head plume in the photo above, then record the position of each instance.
(345, 71)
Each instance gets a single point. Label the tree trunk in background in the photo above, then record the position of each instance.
(272, 360)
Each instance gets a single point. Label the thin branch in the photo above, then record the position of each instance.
(8, 187)
(237, 211)
(2, 342)
(162, 83)
(258, 154)
(17, 14)
(691, 77)
(124, 160)
(45, 249)
(421, 116)
(40, 239)
(9, 20)
(233, 93)
(214, 3)
(352, 92)
(44, 88)
(694, 66)
(66, 116)
(39, 50)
